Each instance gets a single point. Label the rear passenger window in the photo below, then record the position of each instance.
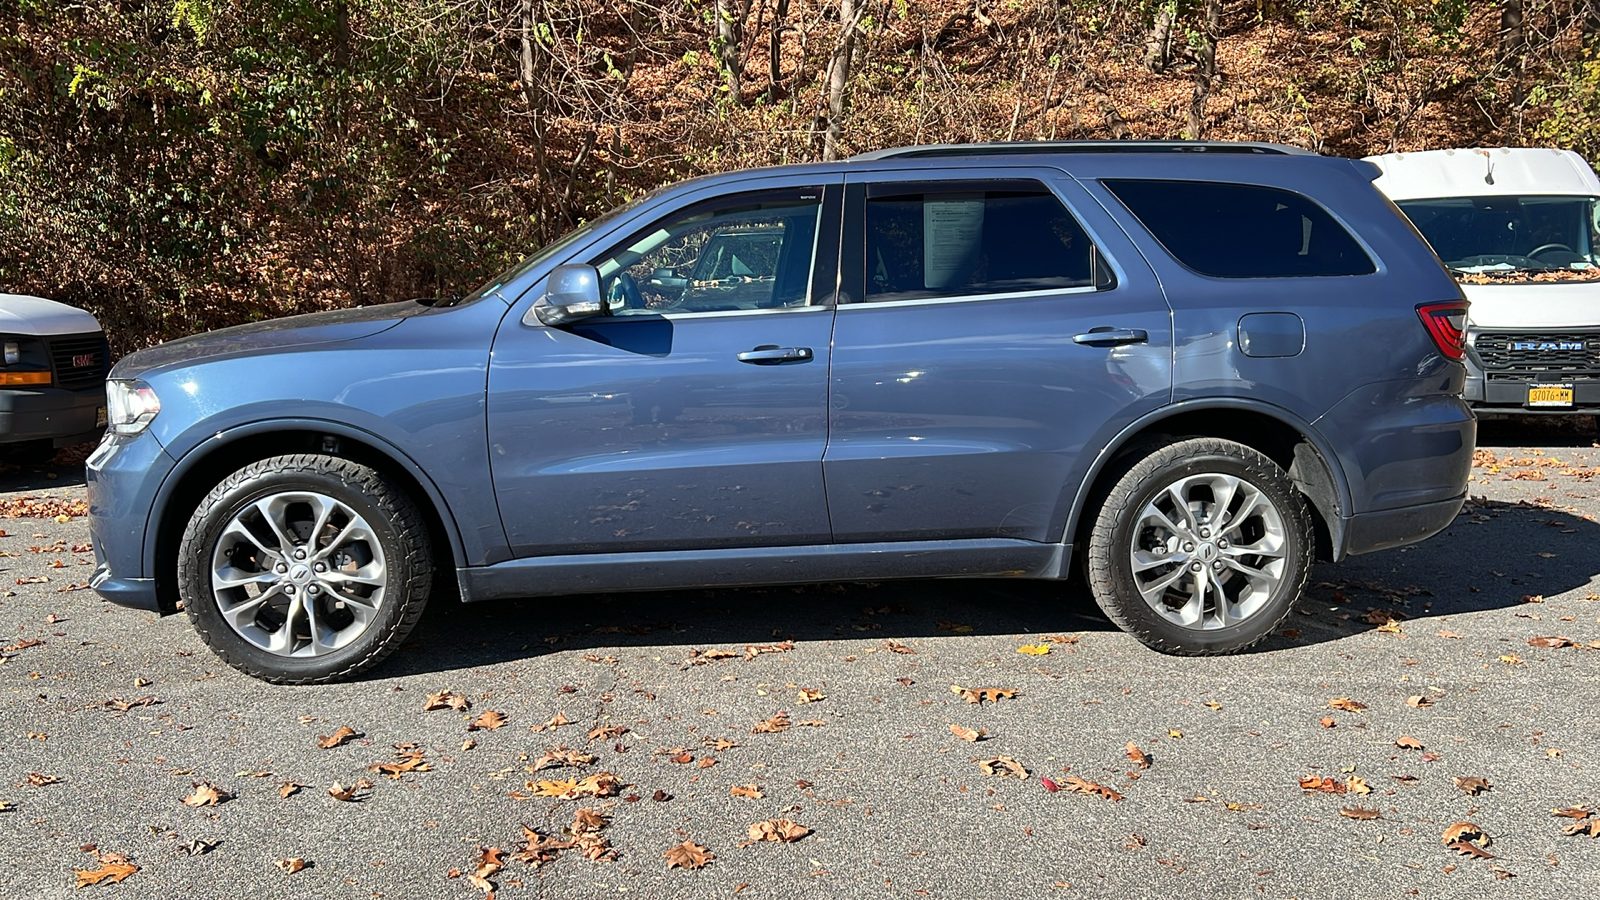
(963, 239)
(1242, 230)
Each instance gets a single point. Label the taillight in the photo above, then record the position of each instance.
(1447, 325)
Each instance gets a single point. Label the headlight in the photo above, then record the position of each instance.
(13, 353)
(130, 406)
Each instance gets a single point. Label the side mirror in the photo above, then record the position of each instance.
(572, 292)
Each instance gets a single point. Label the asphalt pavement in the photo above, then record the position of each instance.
(1330, 762)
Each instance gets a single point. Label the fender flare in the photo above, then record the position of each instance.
(1334, 470)
(204, 449)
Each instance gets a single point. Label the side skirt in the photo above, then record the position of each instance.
(545, 576)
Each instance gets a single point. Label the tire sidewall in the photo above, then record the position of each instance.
(1163, 634)
(233, 496)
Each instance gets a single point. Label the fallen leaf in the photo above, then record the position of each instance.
(560, 788)
(1360, 812)
(1419, 701)
(447, 700)
(1572, 812)
(206, 794)
(1467, 838)
(607, 732)
(410, 761)
(781, 830)
(1049, 785)
(1511, 659)
(1034, 649)
(897, 647)
(1551, 642)
(705, 762)
(339, 792)
(1326, 722)
(810, 695)
(290, 788)
(1002, 765)
(979, 695)
(1080, 786)
(1407, 742)
(1322, 785)
(688, 855)
(1346, 704)
(967, 734)
(1473, 786)
(777, 723)
(1137, 757)
(749, 791)
(684, 757)
(330, 741)
(600, 784)
(291, 865)
(39, 779)
(489, 720)
(557, 720)
(561, 756)
(1588, 827)
(108, 873)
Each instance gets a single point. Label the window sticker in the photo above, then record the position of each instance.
(952, 234)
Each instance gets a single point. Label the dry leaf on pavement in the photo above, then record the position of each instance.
(291, 865)
(746, 790)
(967, 734)
(489, 720)
(1473, 786)
(339, 792)
(1466, 838)
(1002, 766)
(775, 724)
(1407, 742)
(780, 830)
(1324, 785)
(607, 732)
(1551, 642)
(561, 756)
(206, 794)
(1586, 827)
(1346, 704)
(342, 736)
(688, 855)
(1418, 701)
(979, 695)
(108, 873)
(1082, 786)
(290, 788)
(448, 700)
(1360, 812)
(1138, 757)
(1034, 649)
(810, 695)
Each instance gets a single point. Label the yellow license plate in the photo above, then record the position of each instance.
(1550, 395)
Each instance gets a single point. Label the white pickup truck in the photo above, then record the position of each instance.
(53, 361)
(1520, 229)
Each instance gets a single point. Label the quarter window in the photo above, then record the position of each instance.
(1242, 230)
(752, 251)
(952, 240)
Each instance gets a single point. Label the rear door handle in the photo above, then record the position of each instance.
(774, 354)
(1112, 336)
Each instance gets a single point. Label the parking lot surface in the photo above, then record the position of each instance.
(1413, 691)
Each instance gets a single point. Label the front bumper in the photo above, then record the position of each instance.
(1503, 386)
(64, 417)
(124, 475)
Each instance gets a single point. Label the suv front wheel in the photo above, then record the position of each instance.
(1202, 547)
(304, 569)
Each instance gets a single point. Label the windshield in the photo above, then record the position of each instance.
(1506, 239)
(552, 249)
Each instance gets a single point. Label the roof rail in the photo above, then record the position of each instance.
(1019, 148)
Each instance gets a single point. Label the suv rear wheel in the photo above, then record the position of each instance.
(1201, 547)
(304, 569)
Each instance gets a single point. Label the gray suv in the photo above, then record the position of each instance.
(1183, 369)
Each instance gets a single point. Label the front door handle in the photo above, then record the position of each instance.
(766, 355)
(1111, 336)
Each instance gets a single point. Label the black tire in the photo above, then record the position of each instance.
(1141, 481)
(391, 534)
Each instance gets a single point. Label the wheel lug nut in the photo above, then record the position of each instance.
(288, 589)
(280, 568)
(313, 589)
(1217, 565)
(1195, 567)
(320, 567)
(1222, 545)
(1205, 532)
(300, 554)
(1188, 548)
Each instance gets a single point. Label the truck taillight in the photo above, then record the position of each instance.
(1447, 325)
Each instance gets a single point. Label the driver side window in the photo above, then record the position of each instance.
(748, 251)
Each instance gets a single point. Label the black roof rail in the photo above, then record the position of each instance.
(1019, 148)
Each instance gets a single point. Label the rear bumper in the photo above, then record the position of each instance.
(1381, 530)
(65, 417)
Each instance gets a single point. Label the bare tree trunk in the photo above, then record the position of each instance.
(527, 78)
(780, 21)
(1158, 46)
(1590, 10)
(1205, 69)
(1513, 44)
(839, 75)
(730, 43)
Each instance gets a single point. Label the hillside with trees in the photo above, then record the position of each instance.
(180, 165)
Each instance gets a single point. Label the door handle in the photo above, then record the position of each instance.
(1112, 336)
(774, 354)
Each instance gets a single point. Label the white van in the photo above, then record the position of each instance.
(1520, 229)
(53, 361)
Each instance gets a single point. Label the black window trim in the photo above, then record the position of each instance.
(853, 236)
